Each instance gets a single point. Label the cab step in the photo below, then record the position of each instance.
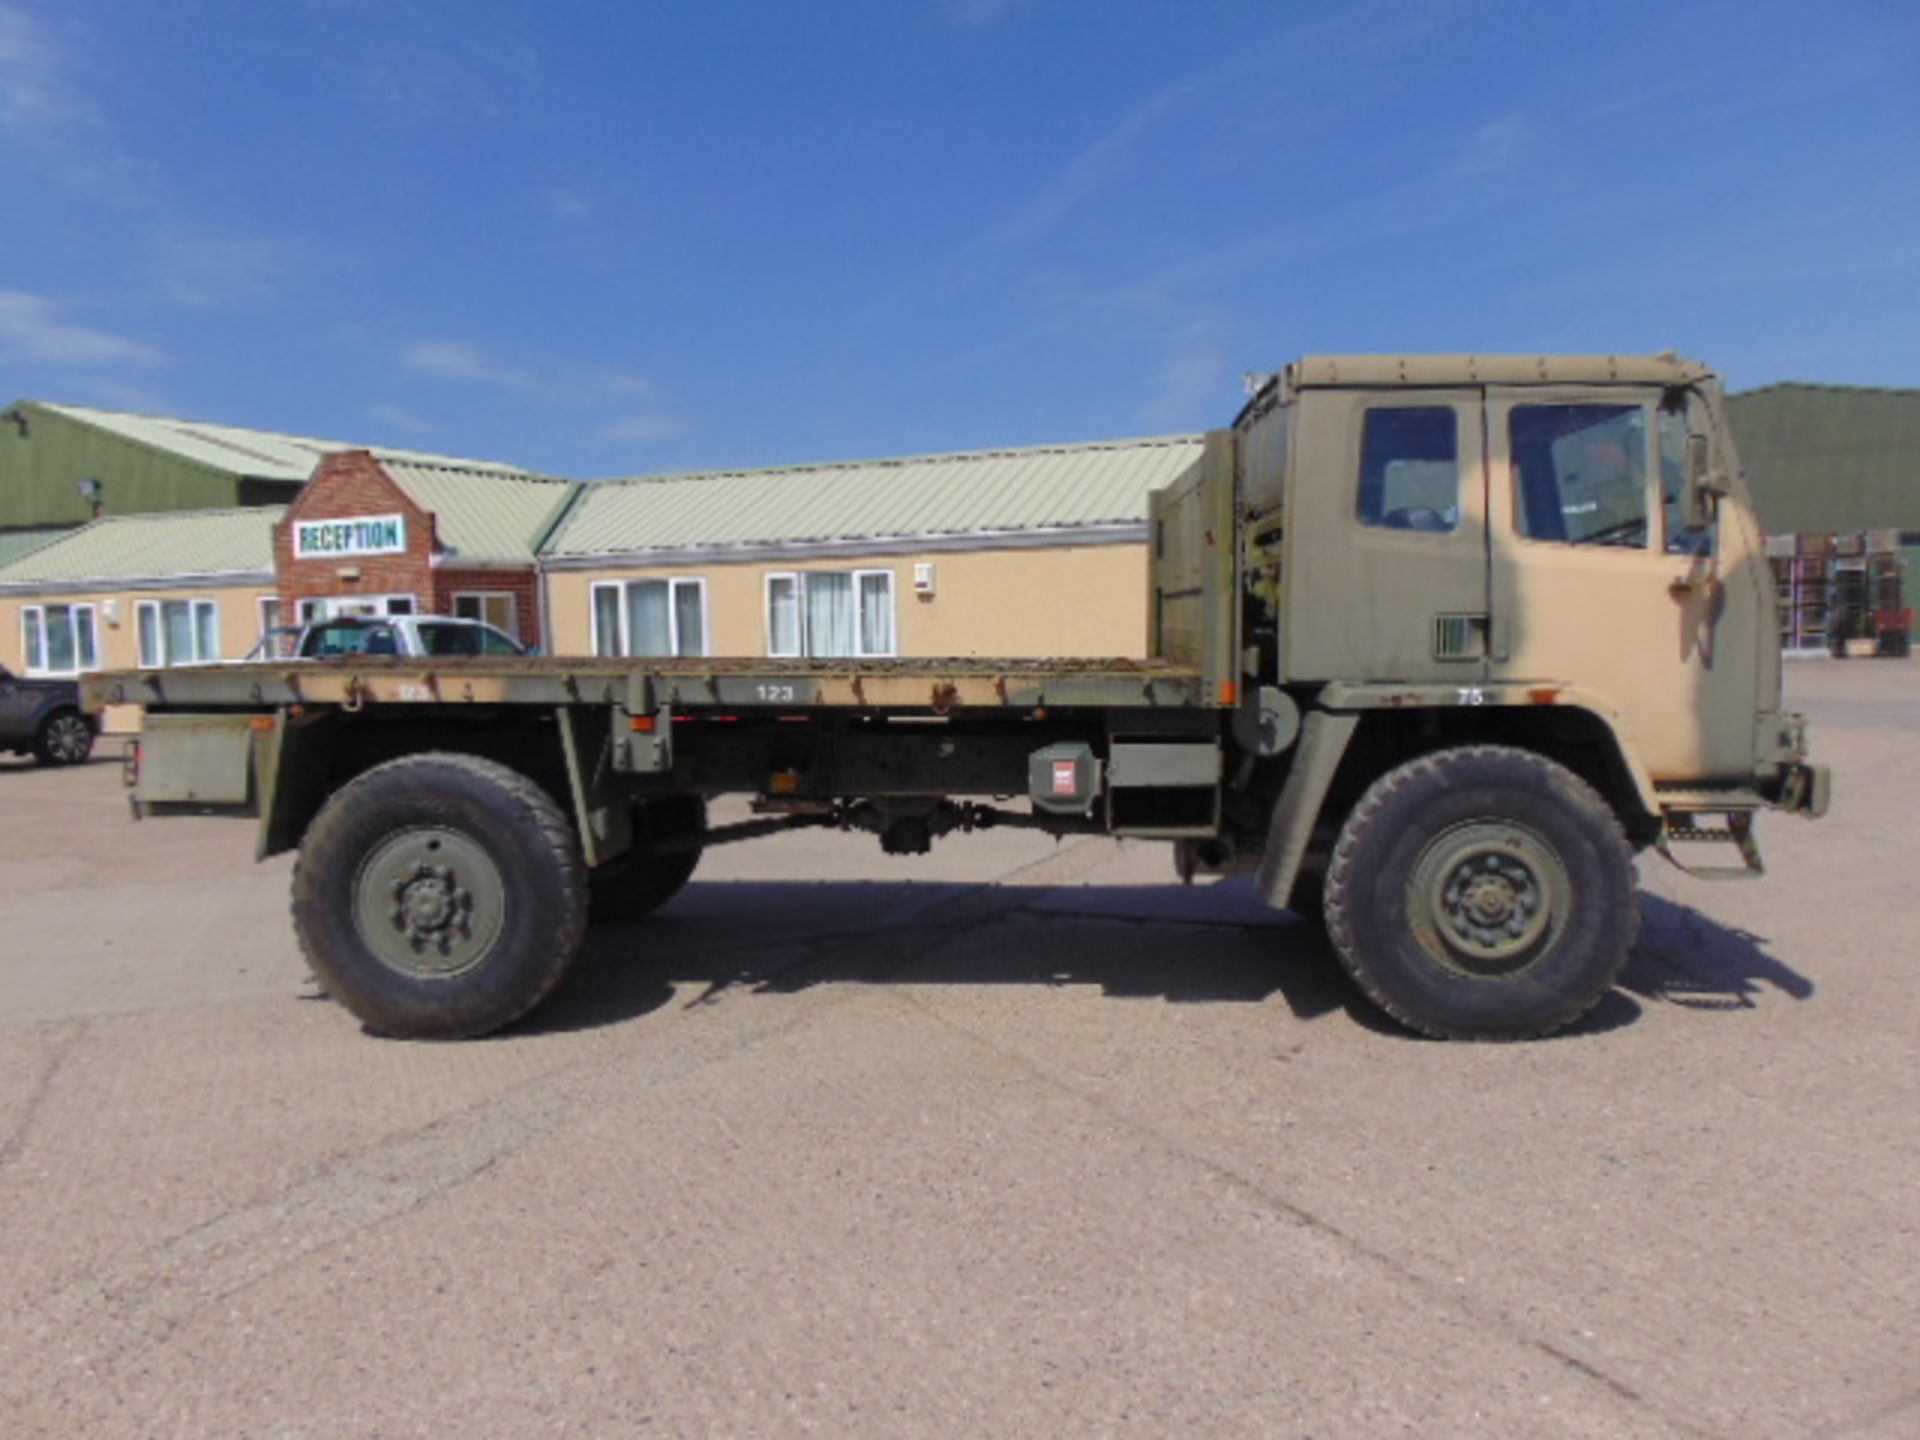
(1697, 827)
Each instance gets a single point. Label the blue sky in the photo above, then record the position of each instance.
(612, 238)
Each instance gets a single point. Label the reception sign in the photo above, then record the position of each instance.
(349, 535)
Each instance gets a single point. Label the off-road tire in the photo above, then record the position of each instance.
(1440, 818)
(522, 849)
(64, 738)
(635, 885)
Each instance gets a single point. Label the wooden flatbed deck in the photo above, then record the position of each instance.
(917, 686)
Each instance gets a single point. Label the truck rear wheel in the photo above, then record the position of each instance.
(439, 896)
(1483, 893)
(636, 884)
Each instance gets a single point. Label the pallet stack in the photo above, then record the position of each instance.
(1840, 594)
(1802, 575)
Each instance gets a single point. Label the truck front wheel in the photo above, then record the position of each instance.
(1482, 893)
(439, 896)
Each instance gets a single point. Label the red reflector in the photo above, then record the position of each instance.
(643, 724)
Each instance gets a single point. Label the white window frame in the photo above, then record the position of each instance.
(261, 604)
(33, 618)
(622, 646)
(799, 613)
(863, 649)
(480, 597)
(195, 604)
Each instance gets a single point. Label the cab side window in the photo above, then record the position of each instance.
(1410, 469)
(1580, 473)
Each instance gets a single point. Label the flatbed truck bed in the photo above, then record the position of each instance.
(934, 687)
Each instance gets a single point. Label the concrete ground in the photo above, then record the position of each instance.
(1017, 1139)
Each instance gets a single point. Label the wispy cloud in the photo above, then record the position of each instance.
(31, 331)
(402, 419)
(48, 112)
(639, 413)
(197, 266)
(979, 12)
(1096, 168)
(37, 102)
(570, 206)
(1188, 344)
(469, 365)
(632, 429)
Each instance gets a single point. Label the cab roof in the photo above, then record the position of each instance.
(1333, 371)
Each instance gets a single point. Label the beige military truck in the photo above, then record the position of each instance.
(1439, 644)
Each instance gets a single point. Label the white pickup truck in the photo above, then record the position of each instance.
(409, 636)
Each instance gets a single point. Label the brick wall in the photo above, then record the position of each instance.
(352, 484)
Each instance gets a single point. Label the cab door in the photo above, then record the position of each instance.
(1387, 542)
(1598, 584)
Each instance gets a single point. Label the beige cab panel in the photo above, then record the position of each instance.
(1387, 545)
(1595, 578)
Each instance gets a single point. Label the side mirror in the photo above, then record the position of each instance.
(1703, 486)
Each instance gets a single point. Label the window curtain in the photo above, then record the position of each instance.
(649, 623)
(830, 619)
(149, 619)
(206, 631)
(606, 619)
(60, 653)
(688, 627)
(876, 614)
(176, 620)
(783, 615)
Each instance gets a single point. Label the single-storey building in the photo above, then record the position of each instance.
(1029, 552)
(176, 588)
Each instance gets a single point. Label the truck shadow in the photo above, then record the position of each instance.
(1689, 959)
(1204, 945)
(1138, 942)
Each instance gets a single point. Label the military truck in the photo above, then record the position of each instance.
(1438, 644)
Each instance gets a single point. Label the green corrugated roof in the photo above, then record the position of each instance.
(483, 515)
(184, 543)
(1043, 487)
(1831, 457)
(262, 453)
(15, 543)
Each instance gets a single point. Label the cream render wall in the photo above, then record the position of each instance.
(1081, 601)
(119, 643)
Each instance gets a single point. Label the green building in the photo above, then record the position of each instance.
(1835, 459)
(62, 465)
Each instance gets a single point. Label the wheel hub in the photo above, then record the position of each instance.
(1491, 895)
(429, 902)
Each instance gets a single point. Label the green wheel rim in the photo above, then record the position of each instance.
(429, 902)
(1488, 897)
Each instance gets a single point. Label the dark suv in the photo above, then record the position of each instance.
(44, 716)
